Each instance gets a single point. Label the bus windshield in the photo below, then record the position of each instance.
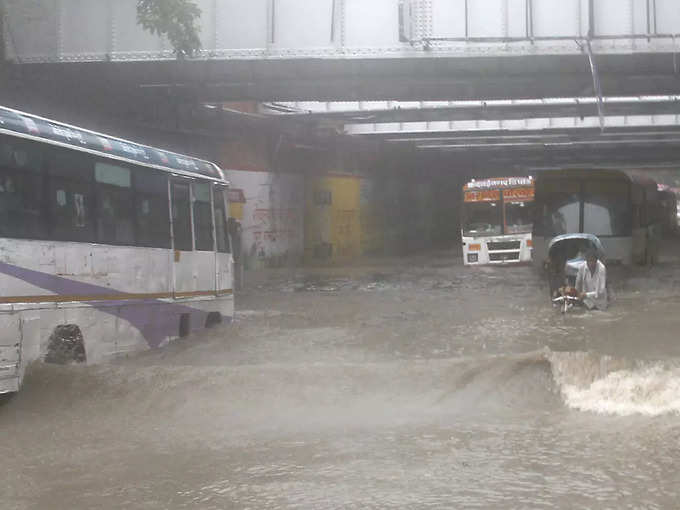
(482, 219)
(606, 209)
(518, 217)
(561, 214)
(597, 207)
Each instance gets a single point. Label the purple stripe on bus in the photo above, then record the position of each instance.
(152, 323)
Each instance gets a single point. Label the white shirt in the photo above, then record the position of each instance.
(593, 285)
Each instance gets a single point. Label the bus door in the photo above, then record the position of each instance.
(223, 260)
(194, 255)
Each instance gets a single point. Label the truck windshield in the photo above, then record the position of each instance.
(482, 219)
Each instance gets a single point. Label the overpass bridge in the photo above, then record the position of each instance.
(329, 50)
(498, 82)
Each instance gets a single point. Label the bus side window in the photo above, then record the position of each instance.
(203, 217)
(151, 208)
(114, 195)
(71, 195)
(220, 221)
(181, 216)
(21, 190)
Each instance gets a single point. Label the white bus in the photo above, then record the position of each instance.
(622, 209)
(496, 220)
(106, 246)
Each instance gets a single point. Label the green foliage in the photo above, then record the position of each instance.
(175, 19)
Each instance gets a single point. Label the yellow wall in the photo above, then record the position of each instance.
(332, 218)
(236, 210)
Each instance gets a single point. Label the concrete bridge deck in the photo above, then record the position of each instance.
(357, 50)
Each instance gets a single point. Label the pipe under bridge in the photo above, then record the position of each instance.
(328, 50)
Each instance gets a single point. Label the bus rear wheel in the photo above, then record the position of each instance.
(66, 345)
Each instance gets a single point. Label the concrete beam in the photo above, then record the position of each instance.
(419, 79)
(443, 111)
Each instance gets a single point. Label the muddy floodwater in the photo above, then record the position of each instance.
(401, 383)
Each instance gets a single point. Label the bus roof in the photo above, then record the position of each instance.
(635, 176)
(33, 127)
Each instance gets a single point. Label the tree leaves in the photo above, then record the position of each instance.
(175, 19)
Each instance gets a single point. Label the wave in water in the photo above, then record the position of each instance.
(359, 393)
(607, 385)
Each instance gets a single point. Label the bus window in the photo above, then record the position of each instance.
(114, 196)
(151, 208)
(21, 190)
(482, 219)
(71, 195)
(518, 217)
(220, 221)
(203, 217)
(181, 216)
(606, 209)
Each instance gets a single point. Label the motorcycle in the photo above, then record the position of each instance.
(566, 253)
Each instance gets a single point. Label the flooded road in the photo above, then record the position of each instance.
(402, 384)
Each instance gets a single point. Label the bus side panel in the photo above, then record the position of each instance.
(618, 249)
(10, 352)
(225, 283)
(101, 335)
(37, 268)
(646, 244)
(540, 251)
(224, 305)
(107, 332)
(31, 336)
(195, 273)
(128, 269)
(60, 279)
(639, 245)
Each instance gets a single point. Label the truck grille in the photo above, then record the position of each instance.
(504, 245)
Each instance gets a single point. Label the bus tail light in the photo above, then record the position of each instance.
(530, 243)
(475, 247)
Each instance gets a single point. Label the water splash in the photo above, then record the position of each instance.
(607, 385)
(649, 391)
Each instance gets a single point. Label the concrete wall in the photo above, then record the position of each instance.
(348, 216)
(272, 217)
(409, 212)
(272, 208)
(371, 218)
(290, 218)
